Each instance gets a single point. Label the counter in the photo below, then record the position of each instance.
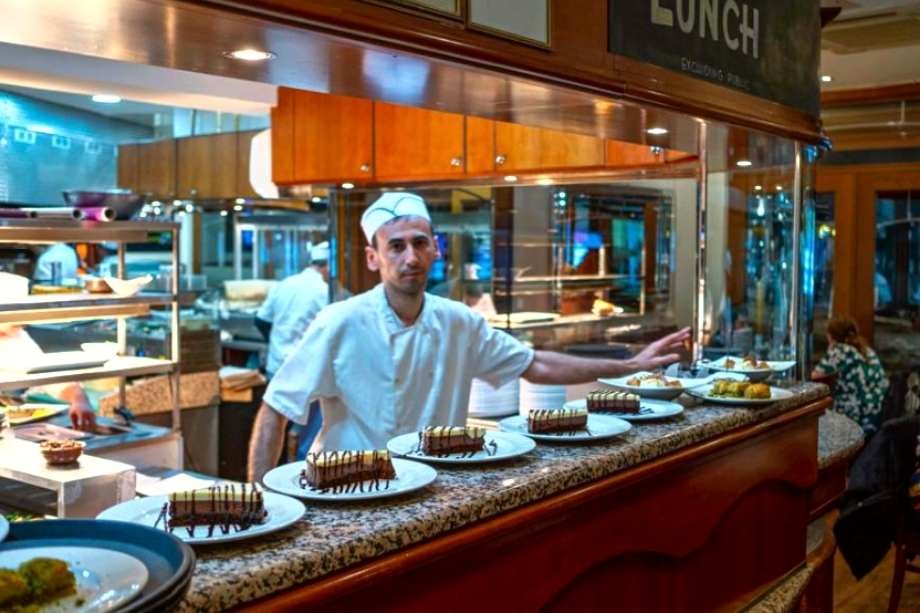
(333, 537)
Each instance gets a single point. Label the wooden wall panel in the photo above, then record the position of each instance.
(156, 165)
(525, 148)
(855, 189)
(333, 138)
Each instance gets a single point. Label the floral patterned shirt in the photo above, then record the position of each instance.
(861, 384)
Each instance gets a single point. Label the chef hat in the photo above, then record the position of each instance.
(319, 252)
(389, 206)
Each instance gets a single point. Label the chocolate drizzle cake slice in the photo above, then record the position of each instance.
(220, 506)
(546, 421)
(613, 401)
(347, 471)
(447, 440)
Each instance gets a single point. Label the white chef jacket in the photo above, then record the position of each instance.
(290, 307)
(376, 377)
(58, 252)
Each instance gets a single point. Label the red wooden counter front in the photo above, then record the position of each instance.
(705, 528)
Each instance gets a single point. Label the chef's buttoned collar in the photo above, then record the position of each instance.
(392, 324)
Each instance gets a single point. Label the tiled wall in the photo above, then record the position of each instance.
(46, 148)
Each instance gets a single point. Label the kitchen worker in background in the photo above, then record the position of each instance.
(16, 342)
(284, 317)
(59, 261)
(396, 359)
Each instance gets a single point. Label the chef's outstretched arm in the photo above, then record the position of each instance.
(266, 442)
(560, 369)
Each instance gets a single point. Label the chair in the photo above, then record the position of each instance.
(907, 547)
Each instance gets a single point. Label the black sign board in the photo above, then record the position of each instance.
(767, 48)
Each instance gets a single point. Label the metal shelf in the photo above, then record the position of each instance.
(52, 308)
(117, 367)
(71, 231)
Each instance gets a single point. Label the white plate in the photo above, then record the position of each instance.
(650, 410)
(106, 579)
(283, 511)
(776, 393)
(410, 476)
(663, 393)
(507, 445)
(755, 374)
(4, 528)
(600, 426)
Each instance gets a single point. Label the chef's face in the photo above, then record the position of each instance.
(404, 252)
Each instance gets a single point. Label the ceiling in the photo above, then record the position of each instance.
(70, 78)
(871, 43)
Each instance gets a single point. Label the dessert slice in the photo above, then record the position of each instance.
(445, 440)
(219, 506)
(613, 401)
(544, 421)
(347, 470)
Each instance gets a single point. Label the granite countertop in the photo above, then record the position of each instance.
(331, 537)
(839, 438)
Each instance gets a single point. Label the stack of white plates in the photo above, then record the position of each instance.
(486, 401)
(536, 396)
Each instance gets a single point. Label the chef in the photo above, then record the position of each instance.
(60, 256)
(286, 314)
(396, 359)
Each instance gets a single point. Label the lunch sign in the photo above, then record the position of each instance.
(767, 48)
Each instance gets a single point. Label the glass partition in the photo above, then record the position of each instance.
(749, 258)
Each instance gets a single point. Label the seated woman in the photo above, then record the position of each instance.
(861, 379)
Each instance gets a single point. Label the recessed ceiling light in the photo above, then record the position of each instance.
(348, 185)
(107, 98)
(826, 78)
(656, 131)
(758, 188)
(240, 201)
(237, 207)
(545, 181)
(743, 163)
(316, 199)
(779, 188)
(223, 213)
(249, 55)
(510, 178)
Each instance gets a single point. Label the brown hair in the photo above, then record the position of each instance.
(844, 330)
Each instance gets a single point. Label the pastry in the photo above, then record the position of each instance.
(59, 452)
(616, 402)
(225, 506)
(543, 421)
(445, 440)
(342, 471)
(652, 380)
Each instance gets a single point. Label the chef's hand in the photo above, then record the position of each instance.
(661, 352)
(81, 415)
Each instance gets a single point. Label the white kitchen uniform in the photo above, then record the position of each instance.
(58, 252)
(376, 377)
(290, 307)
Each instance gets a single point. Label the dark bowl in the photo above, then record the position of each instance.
(125, 203)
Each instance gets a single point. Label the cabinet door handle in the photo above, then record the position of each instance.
(500, 159)
(456, 161)
(365, 167)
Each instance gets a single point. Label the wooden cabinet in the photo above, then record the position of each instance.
(412, 143)
(207, 166)
(127, 167)
(520, 148)
(626, 155)
(156, 168)
(283, 137)
(480, 146)
(243, 148)
(333, 138)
